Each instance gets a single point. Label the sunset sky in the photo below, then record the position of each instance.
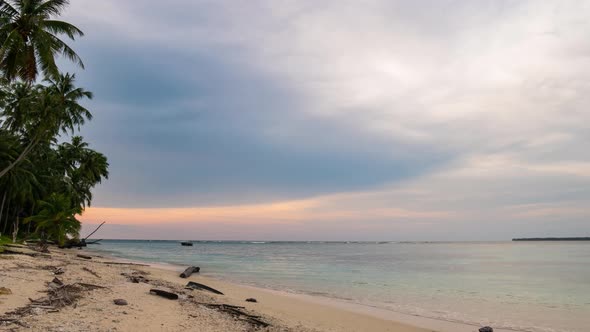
(338, 120)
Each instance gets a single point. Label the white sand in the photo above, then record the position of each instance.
(27, 277)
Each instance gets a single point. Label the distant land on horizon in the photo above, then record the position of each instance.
(553, 239)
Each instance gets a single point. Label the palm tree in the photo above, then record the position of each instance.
(21, 187)
(57, 218)
(42, 112)
(84, 168)
(67, 96)
(29, 37)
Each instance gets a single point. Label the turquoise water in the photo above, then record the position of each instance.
(525, 286)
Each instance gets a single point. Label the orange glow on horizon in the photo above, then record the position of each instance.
(327, 208)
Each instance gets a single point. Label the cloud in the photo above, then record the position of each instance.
(388, 115)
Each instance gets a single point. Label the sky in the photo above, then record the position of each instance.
(338, 120)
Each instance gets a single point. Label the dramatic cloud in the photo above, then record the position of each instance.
(349, 119)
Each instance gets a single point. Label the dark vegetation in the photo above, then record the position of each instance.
(47, 171)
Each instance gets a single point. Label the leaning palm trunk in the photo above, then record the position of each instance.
(7, 216)
(20, 158)
(2, 207)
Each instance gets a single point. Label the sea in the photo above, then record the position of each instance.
(520, 286)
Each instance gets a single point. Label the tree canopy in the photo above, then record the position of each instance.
(47, 171)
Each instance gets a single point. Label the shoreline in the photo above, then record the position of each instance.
(96, 284)
(374, 311)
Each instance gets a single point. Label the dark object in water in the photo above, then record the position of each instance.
(186, 243)
(196, 285)
(165, 294)
(190, 270)
(120, 302)
(251, 299)
(84, 256)
(553, 239)
(486, 329)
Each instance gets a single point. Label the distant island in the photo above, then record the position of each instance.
(553, 239)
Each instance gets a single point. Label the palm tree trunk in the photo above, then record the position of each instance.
(2, 208)
(15, 228)
(30, 222)
(7, 216)
(20, 157)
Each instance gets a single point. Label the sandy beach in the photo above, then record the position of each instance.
(28, 279)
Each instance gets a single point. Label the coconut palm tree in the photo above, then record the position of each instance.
(29, 36)
(57, 218)
(67, 96)
(39, 113)
(84, 168)
(20, 187)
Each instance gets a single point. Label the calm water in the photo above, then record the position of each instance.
(536, 286)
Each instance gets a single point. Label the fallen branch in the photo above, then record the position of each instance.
(235, 311)
(91, 272)
(121, 263)
(99, 226)
(196, 285)
(90, 286)
(168, 295)
(84, 256)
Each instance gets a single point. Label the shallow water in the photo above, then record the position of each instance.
(526, 286)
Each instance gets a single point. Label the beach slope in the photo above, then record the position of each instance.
(85, 301)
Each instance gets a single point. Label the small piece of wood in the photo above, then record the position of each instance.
(190, 270)
(90, 286)
(91, 272)
(168, 295)
(196, 285)
(251, 299)
(84, 256)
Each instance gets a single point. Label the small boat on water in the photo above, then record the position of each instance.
(186, 243)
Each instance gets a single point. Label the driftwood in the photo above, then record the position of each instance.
(121, 263)
(190, 270)
(196, 285)
(57, 282)
(23, 251)
(84, 256)
(97, 228)
(135, 278)
(58, 296)
(91, 272)
(217, 306)
(168, 295)
(89, 286)
(236, 312)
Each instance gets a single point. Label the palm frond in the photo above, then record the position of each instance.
(60, 27)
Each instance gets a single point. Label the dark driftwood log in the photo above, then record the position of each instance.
(165, 294)
(84, 256)
(190, 270)
(196, 285)
(121, 263)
